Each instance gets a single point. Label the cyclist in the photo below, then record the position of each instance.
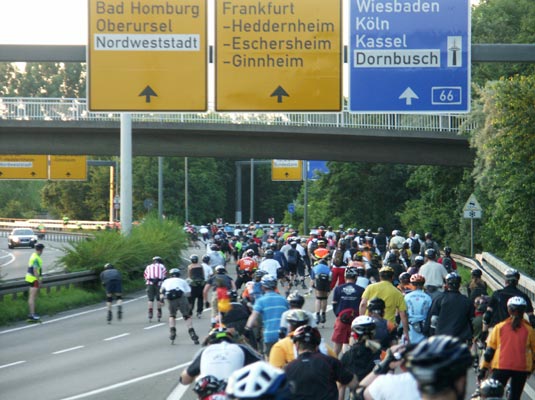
(219, 357)
(259, 381)
(346, 301)
(33, 277)
(418, 305)
(314, 374)
(154, 275)
(197, 276)
(440, 364)
(510, 349)
(176, 291)
(112, 280)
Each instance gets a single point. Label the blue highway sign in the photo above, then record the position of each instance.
(409, 56)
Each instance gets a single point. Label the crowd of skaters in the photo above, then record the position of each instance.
(391, 296)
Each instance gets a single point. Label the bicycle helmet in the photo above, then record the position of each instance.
(512, 276)
(351, 273)
(392, 257)
(157, 259)
(491, 389)
(436, 363)
(218, 334)
(259, 380)
(418, 260)
(431, 253)
(269, 254)
(220, 269)
(297, 317)
(363, 326)
(208, 385)
(259, 274)
(39, 246)
(249, 252)
(108, 266)
(206, 259)
(175, 272)
(404, 276)
(476, 273)
(296, 300)
(516, 304)
(269, 282)
(307, 334)
(194, 258)
(481, 303)
(214, 247)
(376, 304)
(453, 281)
(447, 250)
(387, 272)
(417, 279)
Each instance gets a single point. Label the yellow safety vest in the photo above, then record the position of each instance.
(35, 262)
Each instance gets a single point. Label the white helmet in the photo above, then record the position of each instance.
(257, 380)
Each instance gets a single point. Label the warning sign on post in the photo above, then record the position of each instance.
(278, 55)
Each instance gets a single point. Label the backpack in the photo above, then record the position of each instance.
(313, 246)
(446, 262)
(338, 258)
(415, 246)
(173, 294)
(323, 283)
(293, 257)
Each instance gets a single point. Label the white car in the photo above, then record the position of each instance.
(20, 237)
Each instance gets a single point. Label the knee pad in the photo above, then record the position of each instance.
(119, 297)
(186, 317)
(321, 298)
(172, 315)
(109, 299)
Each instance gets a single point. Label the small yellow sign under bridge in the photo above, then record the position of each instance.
(286, 170)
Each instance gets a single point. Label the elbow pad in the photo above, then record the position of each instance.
(488, 354)
(487, 316)
(283, 332)
(434, 320)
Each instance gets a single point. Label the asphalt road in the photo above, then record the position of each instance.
(77, 355)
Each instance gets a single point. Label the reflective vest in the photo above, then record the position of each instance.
(35, 262)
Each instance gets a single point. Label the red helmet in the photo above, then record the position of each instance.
(417, 278)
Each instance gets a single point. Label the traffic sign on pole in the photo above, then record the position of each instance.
(24, 167)
(286, 170)
(278, 56)
(409, 56)
(147, 55)
(68, 168)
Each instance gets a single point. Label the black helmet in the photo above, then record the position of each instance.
(39, 246)
(194, 258)
(438, 361)
(273, 246)
(175, 272)
(491, 389)
(381, 230)
(307, 334)
(512, 276)
(269, 254)
(296, 300)
(376, 304)
(351, 273)
(431, 253)
(108, 266)
(476, 273)
(206, 259)
(219, 334)
(447, 250)
(453, 281)
(208, 385)
(404, 276)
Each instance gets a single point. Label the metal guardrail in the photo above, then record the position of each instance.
(53, 236)
(74, 109)
(17, 286)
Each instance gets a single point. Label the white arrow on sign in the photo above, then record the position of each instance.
(408, 94)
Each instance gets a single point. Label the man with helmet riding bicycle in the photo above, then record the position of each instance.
(270, 307)
(497, 308)
(198, 274)
(440, 364)
(314, 374)
(259, 381)
(345, 302)
(510, 351)
(451, 312)
(176, 291)
(219, 357)
(418, 306)
(154, 275)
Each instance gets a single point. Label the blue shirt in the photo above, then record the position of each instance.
(320, 269)
(418, 305)
(271, 306)
(347, 295)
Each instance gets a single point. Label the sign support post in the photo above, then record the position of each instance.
(126, 173)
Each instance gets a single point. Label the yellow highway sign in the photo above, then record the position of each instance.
(24, 167)
(147, 55)
(278, 56)
(68, 168)
(286, 170)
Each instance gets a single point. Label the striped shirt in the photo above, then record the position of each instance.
(271, 306)
(154, 271)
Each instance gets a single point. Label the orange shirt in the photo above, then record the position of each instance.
(247, 264)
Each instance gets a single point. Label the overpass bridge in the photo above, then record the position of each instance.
(65, 126)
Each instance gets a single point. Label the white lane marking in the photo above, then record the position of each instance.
(12, 364)
(116, 337)
(51, 321)
(11, 256)
(121, 384)
(529, 391)
(69, 349)
(153, 326)
(178, 392)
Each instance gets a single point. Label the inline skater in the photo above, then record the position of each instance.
(321, 277)
(112, 280)
(245, 268)
(197, 276)
(33, 278)
(154, 275)
(219, 280)
(418, 305)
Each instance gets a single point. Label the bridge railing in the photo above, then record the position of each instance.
(74, 109)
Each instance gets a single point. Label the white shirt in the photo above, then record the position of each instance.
(394, 386)
(208, 271)
(434, 273)
(270, 265)
(221, 359)
(175, 283)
